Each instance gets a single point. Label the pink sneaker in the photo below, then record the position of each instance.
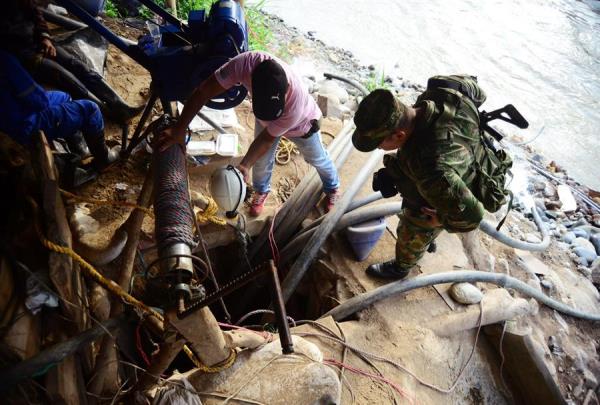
(331, 198)
(257, 204)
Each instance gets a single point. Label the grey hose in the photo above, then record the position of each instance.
(353, 205)
(362, 301)
(350, 218)
(490, 229)
(315, 242)
(351, 82)
(211, 122)
(71, 24)
(61, 20)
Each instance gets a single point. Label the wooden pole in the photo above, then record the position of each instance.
(64, 275)
(106, 370)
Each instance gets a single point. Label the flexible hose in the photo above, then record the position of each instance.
(315, 242)
(350, 218)
(353, 205)
(376, 196)
(211, 122)
(351, 82)
(362, 301)
(490, 229)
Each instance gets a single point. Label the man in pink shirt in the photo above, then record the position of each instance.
(281, 105)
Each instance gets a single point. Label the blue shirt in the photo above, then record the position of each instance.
(20, 96)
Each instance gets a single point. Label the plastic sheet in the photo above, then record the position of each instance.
(86, 45)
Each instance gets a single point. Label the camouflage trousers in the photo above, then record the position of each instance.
(414, 237)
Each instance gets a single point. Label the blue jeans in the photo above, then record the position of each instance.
(314, 154)
(63, 118)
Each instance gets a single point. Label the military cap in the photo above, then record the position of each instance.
(378, 115)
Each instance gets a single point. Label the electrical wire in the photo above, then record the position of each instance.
(396, 364)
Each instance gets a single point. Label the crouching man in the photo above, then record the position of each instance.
(438, 165)
(26, 108)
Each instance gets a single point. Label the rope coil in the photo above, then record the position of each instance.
(210, 214)
(285, 149)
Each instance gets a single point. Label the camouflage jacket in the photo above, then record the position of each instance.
(435, 166)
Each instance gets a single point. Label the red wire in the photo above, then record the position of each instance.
(272, 242)
(374, 376)
(138, 343)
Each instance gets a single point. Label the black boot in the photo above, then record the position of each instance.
(72, 175)
(103, 156)
(387, 270)
(78, 146)
(116, 108)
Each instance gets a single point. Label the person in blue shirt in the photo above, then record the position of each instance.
(25, 108)
(25, 34)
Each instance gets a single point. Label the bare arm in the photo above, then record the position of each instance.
(261, 144)
(204, 92)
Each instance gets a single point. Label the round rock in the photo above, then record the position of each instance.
(581, 233)
(569, 237)
(465, 293)
(595, 240)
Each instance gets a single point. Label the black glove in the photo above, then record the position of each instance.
(383, 182)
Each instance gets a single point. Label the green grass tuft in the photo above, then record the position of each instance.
(376, 80)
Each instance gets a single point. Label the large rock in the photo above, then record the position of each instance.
(584, 249)
(465, 293)
(332, 88)
(267, 376)
(595, 240)
(595, 268)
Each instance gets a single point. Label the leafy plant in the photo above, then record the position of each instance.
(259, 33)
(376, 80)
(111, 10)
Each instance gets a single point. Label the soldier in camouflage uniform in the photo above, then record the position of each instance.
(438, 145)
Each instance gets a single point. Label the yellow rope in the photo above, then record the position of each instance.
(285, 150)
(104, 202)
(90, 271)
(117, 290)
(114, 288)
(210, 214)
(224, 365)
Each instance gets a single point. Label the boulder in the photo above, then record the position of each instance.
(332, 88)
(595, 241)
(266, 376)
(569, 237)
(465, 293)
(584, 249)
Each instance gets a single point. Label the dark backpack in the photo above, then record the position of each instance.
(491, 169)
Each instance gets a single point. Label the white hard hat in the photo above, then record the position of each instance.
(228, 189)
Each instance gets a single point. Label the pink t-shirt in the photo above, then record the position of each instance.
(300, 107)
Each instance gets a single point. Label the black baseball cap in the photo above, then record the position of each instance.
(269, 85)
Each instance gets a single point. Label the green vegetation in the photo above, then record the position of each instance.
(111, 10)
(258, 31)
(259, 34)
(376, 80)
